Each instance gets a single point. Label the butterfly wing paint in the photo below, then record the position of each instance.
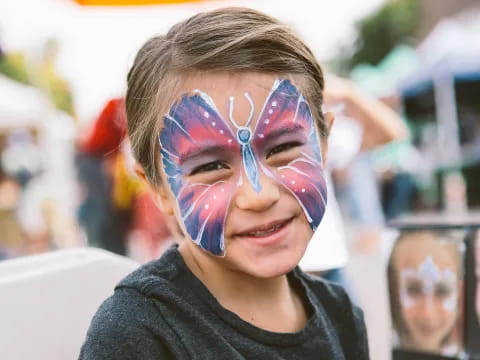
(286, 108)
(194, 122)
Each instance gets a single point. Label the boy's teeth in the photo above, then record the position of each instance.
(265, 232)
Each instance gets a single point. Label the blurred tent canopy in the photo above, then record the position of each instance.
(20, 105)
(382, 80)
(452, 49)
(131, 2)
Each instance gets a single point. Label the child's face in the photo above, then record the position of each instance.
(244, 167)
(428, 288)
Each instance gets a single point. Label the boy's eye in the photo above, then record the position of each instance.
(211, 166)
(415, 289)
(282, 147)
(442, 290)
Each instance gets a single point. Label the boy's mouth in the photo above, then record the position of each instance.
(265, 230)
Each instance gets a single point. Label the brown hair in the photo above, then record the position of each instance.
(228, 39)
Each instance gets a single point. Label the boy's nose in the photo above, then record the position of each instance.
(248, 199)
(428, 309)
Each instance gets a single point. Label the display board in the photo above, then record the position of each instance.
(434, 287)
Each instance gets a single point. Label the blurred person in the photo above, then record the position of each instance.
(21, 156)
(378, 122)
(363, 123)
(149, 234)
(237, 161)
(425, 275)
(12, 238)
(106, 226)
(357, 181)
(21, 159)
(117, 211)
(36, 214)
(397, 165)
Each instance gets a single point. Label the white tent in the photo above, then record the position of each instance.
(453, 38)
(98, 44)
(451, 50)
(20, 105)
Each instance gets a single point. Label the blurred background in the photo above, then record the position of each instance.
(66, 176)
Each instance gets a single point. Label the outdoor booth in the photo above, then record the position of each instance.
(441, 103)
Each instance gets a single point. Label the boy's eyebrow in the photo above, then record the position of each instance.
(196, 151)
(287, 129)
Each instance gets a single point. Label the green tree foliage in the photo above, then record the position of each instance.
(14, 66)
(394, 23)
(40, 73)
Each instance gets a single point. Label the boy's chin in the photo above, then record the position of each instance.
(271, 266)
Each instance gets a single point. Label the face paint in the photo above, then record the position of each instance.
(244, 138)
(428, 283)
(286, 112)
(194, 125)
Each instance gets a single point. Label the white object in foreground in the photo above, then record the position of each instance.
(47, 301)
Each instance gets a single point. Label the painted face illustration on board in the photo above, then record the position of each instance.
(428, 290)
(195, 126)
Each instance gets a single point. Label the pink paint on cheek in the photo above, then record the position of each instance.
(193, 124)
(204, 210)
(286, 111)
(306, 182)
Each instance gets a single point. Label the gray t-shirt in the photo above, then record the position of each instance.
(162, 311)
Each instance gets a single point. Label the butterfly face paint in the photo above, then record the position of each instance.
(430, 284)
(195, 138)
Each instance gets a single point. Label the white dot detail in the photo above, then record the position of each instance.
(283, 176)
(206, 114)
(261, 136)
(221, 131)
(267, 121)
(270, 111)
(229, 141)
(293, 182)
(214, 123)
(206, 207)
(274, 103)
(303, 190)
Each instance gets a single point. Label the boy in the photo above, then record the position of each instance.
(224, 117)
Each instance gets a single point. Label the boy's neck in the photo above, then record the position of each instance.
(271, 304)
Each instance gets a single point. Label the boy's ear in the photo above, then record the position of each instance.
(329, 120)
(158, 192)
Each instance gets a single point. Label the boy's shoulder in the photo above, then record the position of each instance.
(119, 326)
(159, 273)
(129, 320)
(325, 290)
(338, 310)
(333, 300)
